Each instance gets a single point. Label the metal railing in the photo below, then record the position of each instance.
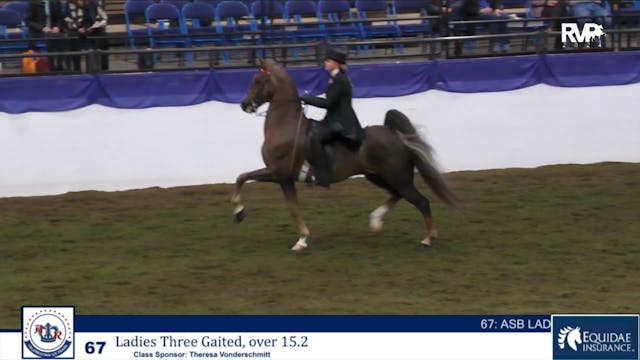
(529, 39)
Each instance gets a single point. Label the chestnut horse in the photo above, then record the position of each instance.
(387, 157)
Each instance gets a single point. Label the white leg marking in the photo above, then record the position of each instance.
(376, 219)
(304, 171)
(426, 241)
(301, 244)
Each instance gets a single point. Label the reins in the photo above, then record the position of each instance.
(263, 114)
(295, 138)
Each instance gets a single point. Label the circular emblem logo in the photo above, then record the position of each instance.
(47, 333)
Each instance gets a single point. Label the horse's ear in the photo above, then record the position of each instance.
(263, 63)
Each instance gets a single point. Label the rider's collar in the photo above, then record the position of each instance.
(334, 72)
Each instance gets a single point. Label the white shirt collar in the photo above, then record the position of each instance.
(334, 72)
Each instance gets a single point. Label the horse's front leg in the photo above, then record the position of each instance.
(263, 175)
(291, 197)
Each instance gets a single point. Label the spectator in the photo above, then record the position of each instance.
(45, 20)
(484, 10)
(551, 8)
(582, 9)
(439, 27)
(621, 6)
(87, 18)
(439, 7)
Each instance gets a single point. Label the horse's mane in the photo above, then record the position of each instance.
(284, 80)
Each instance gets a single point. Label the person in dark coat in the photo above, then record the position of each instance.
(483, 10)
(340, 121)
(86, 19)
(442, 8)
(45, 19)
(554, 9)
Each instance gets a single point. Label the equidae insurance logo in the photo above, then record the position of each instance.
(595, 337)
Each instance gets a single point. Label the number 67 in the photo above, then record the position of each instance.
(90, 347)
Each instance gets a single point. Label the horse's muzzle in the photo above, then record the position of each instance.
(247, 106)
(250, 105)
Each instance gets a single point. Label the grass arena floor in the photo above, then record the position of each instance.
(552, 239)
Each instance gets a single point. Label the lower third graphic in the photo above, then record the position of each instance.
(47, 332)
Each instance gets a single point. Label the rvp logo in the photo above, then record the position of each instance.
(590, 33)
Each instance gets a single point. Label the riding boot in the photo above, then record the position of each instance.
(318, 160)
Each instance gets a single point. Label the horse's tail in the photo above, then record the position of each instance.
(426, 164)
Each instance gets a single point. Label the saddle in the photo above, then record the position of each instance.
(339, 140)
(324, 160)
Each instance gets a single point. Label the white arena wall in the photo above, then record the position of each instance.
(101, 148)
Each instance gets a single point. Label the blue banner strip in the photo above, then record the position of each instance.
(312, 323)
(181, 88)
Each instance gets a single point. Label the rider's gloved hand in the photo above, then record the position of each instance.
(305, 98)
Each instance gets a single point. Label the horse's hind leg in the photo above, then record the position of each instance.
(256, 175)
(291, 197)
(412, 195)
(376, 219)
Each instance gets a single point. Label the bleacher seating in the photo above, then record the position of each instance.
(213, 3)
(21, 7)
(367, 9)
(302, 14)
(135, 10)
(231, 22)
(260, 20)
(628, 13)
(197, 20)
(341, 25)
(160, 31)
(417, 8)
(11, 27)
(197, 23)
(369, 29)
(177, 3)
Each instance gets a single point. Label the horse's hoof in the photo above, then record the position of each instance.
(426, 242)
(300, 246)
(433, 234)
(239, 215)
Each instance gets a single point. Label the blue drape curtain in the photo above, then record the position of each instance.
(142, 90)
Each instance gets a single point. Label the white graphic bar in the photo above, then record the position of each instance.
(300, 346)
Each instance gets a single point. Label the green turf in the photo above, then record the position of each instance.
(552, 239)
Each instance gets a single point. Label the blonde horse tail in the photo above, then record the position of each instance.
(423, 152)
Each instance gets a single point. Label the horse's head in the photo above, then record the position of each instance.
(262, 89)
